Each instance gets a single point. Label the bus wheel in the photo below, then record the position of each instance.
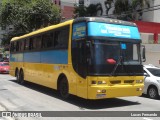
(17, 75)
(64, 88)
(21, 77)
(152, 92)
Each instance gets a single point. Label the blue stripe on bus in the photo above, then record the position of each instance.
(56, 57)
(32, 57)
(51, 57)
(16, 57)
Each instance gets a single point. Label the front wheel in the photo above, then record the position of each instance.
(153, 93)
(64, 88)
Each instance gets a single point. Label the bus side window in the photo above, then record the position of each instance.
(38, 42)
(30, 43)
(44, 43)
(64, 36)
(34, 43)
(56, 39)
(12, 47)
(61, 38)
(17, 46)
(22, 45)
(49, 39)
(26, 44)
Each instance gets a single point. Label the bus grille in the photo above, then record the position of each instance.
(115, 82)
(128, 81)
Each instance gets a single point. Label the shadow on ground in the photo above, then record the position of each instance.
(80, 102)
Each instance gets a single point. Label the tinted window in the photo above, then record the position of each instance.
(38, 42)
(47, 40)
(61, 38)
(26, 44)
(155, 71)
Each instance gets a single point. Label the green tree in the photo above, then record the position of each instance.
(91, 10)
(121, 9)
(27, 15)
(108, 5)
(138, 6)
(80, 11)
(130, 9)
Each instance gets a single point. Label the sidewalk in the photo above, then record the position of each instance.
(2, 108)
(4, 118)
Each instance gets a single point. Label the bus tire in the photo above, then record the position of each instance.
(63, 88)
(21, 77)
(17, 75)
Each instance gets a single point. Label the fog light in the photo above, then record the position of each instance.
(139, 89)
(103, 91)
(139, 81)
(93, 82)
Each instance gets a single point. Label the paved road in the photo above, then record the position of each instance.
(32, 97)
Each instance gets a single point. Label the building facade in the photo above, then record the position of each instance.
(153, 13)
(66, 6)
(149, 28)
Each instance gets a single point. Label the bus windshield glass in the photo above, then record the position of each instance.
(105, 55)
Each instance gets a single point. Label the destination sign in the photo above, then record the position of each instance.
(79, 30)
(113, 30)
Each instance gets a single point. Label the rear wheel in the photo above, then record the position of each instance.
(17, 75)
(64, 88)
(21, 77)
(153, 93)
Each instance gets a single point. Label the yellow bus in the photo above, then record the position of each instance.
(89, 57)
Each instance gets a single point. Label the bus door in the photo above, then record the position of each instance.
(80, 66)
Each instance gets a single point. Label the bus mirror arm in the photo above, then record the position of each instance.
(143, 53)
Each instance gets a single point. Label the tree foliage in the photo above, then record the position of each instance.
(108, 5)
(130, 9)
(27, 15)
(91, 10)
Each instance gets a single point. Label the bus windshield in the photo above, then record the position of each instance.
(105, 55)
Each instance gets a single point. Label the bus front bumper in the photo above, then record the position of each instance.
(102, 92)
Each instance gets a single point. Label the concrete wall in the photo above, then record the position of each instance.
(147, 38)
(152, 54)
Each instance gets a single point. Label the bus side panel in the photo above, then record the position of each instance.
(42, 74)
(16, 61)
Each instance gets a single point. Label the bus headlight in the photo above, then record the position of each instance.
(101, 91)
(98, 82)
(101, 82)
(139, 81)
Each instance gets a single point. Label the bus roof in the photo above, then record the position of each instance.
(42, 30)
(105, 20)
(80, 19)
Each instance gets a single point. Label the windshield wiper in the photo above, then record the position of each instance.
(115, 68)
